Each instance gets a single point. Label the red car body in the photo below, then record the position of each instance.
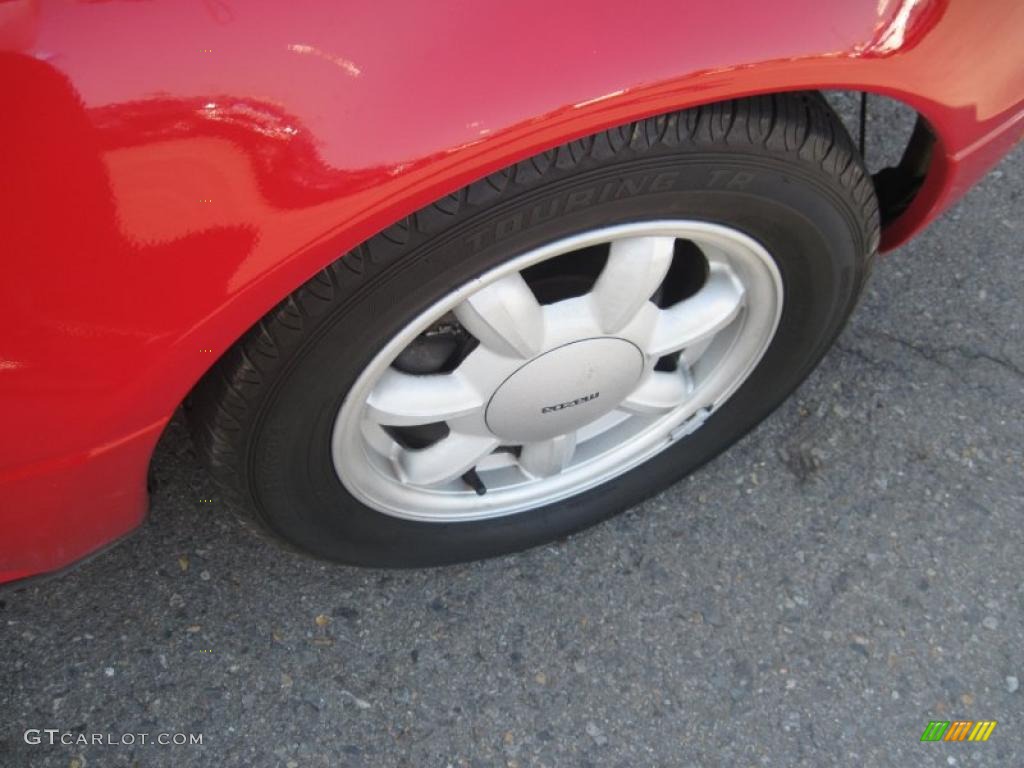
(173, 169)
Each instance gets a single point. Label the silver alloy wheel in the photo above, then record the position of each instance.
(558, 398)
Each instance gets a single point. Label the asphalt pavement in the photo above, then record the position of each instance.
(850, 571)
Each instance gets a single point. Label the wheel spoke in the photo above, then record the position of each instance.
(505, 317)
(446, 460)
(662, 391)
(497, 460)
(636, 266)
(596, 428)
(379, 440)
(702, 315)
(695, 352)
(403, 399)
(547, 457)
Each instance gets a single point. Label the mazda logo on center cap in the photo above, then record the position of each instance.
(569, 404)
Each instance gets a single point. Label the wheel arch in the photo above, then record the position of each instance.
(474, 161)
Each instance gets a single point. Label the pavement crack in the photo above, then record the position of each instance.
(859, 354)
(934, 353)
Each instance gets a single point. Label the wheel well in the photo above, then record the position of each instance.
(896, 144)
(896, 147)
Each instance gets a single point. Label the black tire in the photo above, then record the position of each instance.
(779, 168)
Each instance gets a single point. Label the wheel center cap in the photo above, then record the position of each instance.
(564, 389)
